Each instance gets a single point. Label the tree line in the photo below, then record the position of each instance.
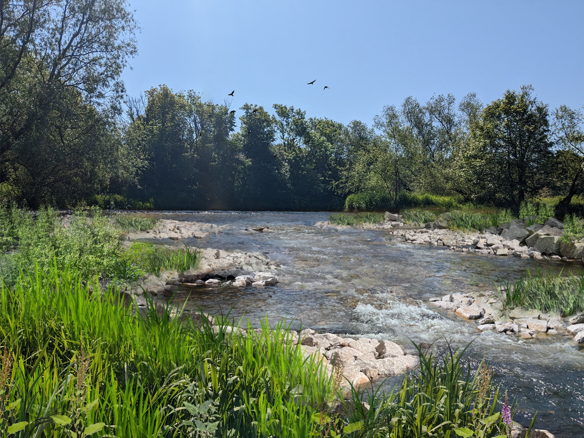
(69, 133)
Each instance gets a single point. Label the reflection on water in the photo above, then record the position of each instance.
(363, 282)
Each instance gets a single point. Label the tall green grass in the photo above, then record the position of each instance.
(134, 222)
(545, 292)
(146, 258)
(146, 372)
(382, 201)
(418, 216)
(356, 219)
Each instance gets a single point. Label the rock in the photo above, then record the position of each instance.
(548, 245)
(353, 376)
(365, 345)
(572, 250)
(484, 327)
(389, 349)
(553, 222)
(538, 325)
(519, 313)
(575, 328)
(579, 338)
(267, 277)
(486, 320)
(532, 229)
(393, 366)
(212, 282)
(259, 283)
(515, 233)
(502, 252)
(390, 217)
(577, 319)
(507, 327)
(441, 224)
(470, 312)
(346, 355)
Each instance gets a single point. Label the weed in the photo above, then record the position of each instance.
(418, 216)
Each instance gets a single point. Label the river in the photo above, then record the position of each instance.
(366, 283)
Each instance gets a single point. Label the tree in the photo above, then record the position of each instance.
(568, 134)
(53, 54)
(511, 150)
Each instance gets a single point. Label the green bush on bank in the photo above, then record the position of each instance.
(89, 242)
(356, 219)
(383, 201)
(110, 202)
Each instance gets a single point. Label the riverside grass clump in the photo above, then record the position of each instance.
(573, 229)
(134, 222)
(356, 219)
(383, 201)
(75, 363)
(551, 292)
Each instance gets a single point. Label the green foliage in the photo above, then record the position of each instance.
(573, 228)
(383, 201)
(114, 201)
(441, 398)
(356, 219)
(134, 222)
(90, 243)
(545, 212)
(545, 293)
(465, 220)
(84, 360)
(153, 259)
(418, 216)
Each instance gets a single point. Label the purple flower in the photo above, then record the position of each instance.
(506, 412)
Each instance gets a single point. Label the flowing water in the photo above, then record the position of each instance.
(366, 283)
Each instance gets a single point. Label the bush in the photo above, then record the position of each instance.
(368, 201)
(90, 244)
(142, 258)
(110, 202)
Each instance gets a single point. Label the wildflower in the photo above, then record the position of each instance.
(506, 412)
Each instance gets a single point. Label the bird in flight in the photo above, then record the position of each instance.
(232, 112)
(311, 83)
(254, 111)
(231, 94)
(325, 87)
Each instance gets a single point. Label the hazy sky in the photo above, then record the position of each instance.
(370, 53)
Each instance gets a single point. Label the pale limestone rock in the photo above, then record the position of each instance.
(470, 312)
(485, 327)
(548, 245)
(502, 252)
(212, 282)
(577, 319)
(538, 325)
(576, 328)
(389, 349)
(345, 355)
(579, 338)
(365, 345)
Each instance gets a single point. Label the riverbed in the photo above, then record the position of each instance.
(363, 282)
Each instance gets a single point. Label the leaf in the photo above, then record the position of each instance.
(463, 432)
(14, 405)
(490, 420)
(353, 427)
(17, 427)
(333, 434)
(193, 410)
(61, 420)
(91, 405)
(91, 429)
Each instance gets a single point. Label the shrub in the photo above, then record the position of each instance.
(142, 258)
(368, 201)
(110, 202)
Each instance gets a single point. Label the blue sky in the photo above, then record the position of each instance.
(370, 53)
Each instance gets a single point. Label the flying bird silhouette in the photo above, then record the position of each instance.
(232, 112)
(254, 111)
(325, 87)
(231, 94)
(311, 83)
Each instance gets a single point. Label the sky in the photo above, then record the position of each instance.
(370, 53)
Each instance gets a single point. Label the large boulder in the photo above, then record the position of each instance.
(533, 228)
(390, 217)
(572, 250)
(553, 222)
(515, 233)
(546, 230)
(548, 245)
